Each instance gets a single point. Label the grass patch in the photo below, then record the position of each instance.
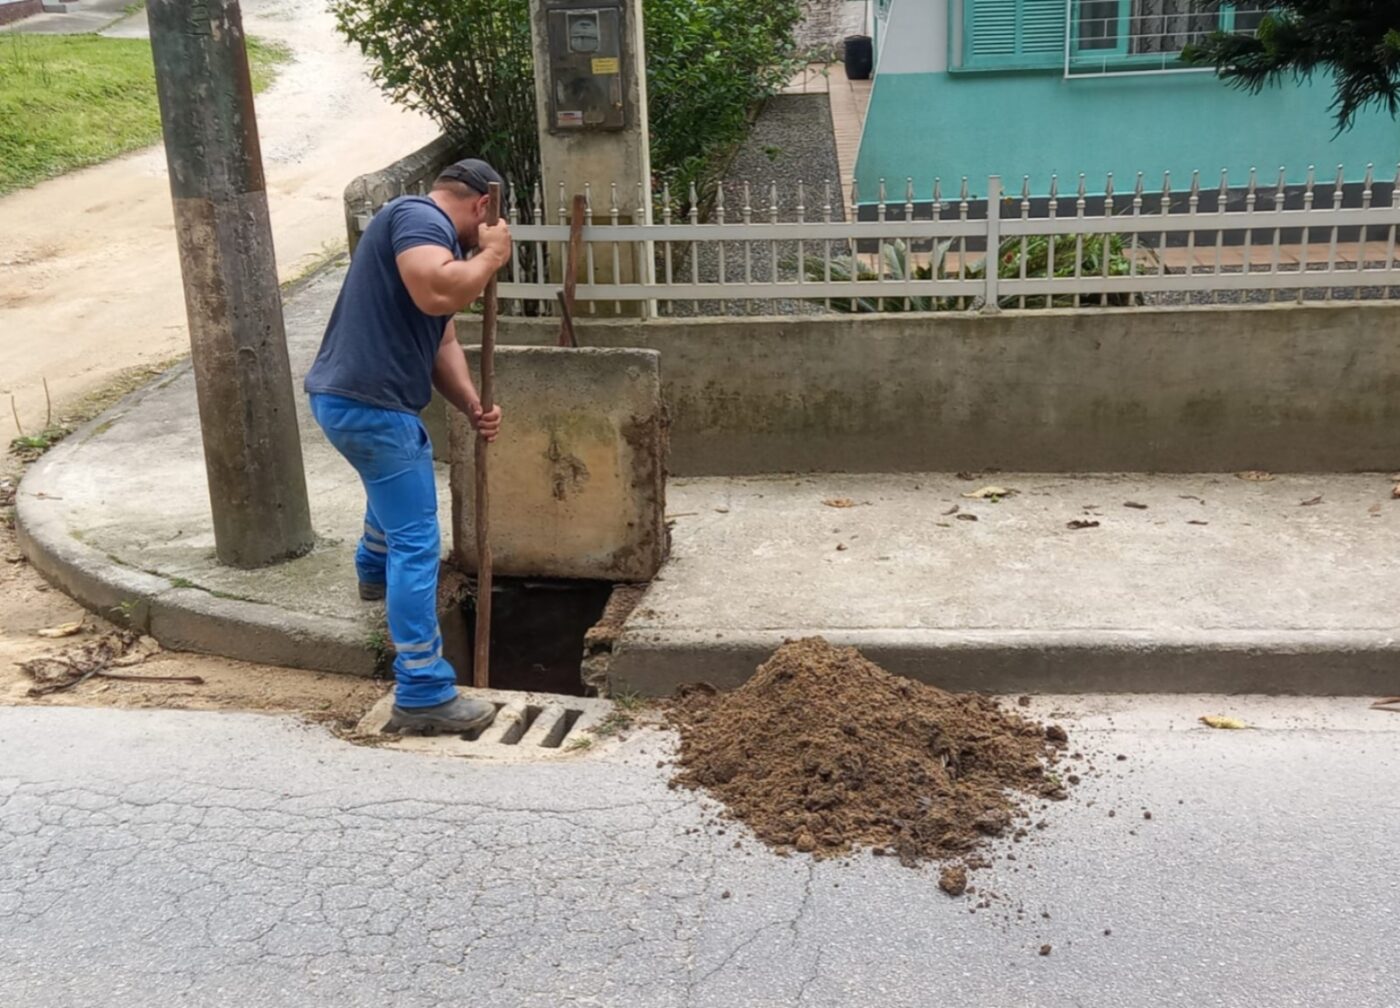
(69, 101)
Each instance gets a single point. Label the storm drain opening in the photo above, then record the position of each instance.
(538, 629)
(551, 643)
(524, 724)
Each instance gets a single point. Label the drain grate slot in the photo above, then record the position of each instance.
(532, 714)
(561, 728)
(476, 733)
(512, 723)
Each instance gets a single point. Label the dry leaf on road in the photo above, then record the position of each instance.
(952, 510)
(967, 517)
(62, 630)
(989, 493)
(1395, 491)
(840, 502)
(1195, 522)
(1080, 523)
(1311, 501)
(1135, 505)
(1256, 476)
(1226, 723)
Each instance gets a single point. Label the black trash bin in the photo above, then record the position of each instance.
(860, 57)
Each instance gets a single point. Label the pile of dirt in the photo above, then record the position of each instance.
(823, 751)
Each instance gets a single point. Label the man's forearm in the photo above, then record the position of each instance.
(452, 377)
(459, 283)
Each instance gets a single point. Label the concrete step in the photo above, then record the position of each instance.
(1217, 583)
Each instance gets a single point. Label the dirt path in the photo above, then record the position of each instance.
(89, 279)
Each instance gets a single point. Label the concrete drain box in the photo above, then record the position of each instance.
(528, 726)
(578, 484)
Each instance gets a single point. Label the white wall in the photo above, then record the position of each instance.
(915, 39)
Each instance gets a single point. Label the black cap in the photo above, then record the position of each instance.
(475, 174)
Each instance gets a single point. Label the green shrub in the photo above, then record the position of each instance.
(708, 63)
(467, 64)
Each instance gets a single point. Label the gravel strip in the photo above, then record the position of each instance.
(791, 142)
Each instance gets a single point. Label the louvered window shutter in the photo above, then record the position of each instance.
(1013, 34)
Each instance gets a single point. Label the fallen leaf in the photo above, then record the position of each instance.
(1256, 476)
(989, 493)
(952, 510)
(840, 502)
(840, 546)
(1387, 704)
(966, 476)
(1311, 501)
(967, 517)
(1080, 523)
(1135, 505)
(62, 630)
(721, 510)
(1395, 491)
(1224, 723)
(1196, 522)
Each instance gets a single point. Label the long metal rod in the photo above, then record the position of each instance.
(567, 336)
(481, 665)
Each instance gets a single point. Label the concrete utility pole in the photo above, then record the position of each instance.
(247, 413)
(591, 93)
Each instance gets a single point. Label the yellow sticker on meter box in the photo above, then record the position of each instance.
(605, 66)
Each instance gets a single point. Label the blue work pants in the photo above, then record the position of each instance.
(401, 545)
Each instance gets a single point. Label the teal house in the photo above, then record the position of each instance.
(1061, 87)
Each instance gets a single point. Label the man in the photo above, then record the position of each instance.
(390, 340)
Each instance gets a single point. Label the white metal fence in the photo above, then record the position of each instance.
(752, 251)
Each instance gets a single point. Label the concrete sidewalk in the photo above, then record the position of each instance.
(1214, 583)
(118, 516)
(1219, 584)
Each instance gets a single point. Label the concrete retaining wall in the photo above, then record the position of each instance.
(1286, 388)
(13, 10)
(408, 174)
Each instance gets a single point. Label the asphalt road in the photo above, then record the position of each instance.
(155, 858)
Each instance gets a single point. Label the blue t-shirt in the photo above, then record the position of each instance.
(379, 347)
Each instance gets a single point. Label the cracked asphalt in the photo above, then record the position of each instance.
(159, 858)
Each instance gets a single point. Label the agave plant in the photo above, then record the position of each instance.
(897, 265)
(1089, 250)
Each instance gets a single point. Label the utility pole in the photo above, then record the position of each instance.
(591, 97)
(247, 413)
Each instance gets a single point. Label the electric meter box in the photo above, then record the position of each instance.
(586, 87)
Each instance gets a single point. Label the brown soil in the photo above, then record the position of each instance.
(31, 605)
(823, 751)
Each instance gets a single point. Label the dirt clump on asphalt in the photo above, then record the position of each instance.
(823, 751)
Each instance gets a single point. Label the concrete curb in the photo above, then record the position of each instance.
(1312, 662)
(186, 619)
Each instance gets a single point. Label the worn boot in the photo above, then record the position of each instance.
(371, 591)
(458, 715)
